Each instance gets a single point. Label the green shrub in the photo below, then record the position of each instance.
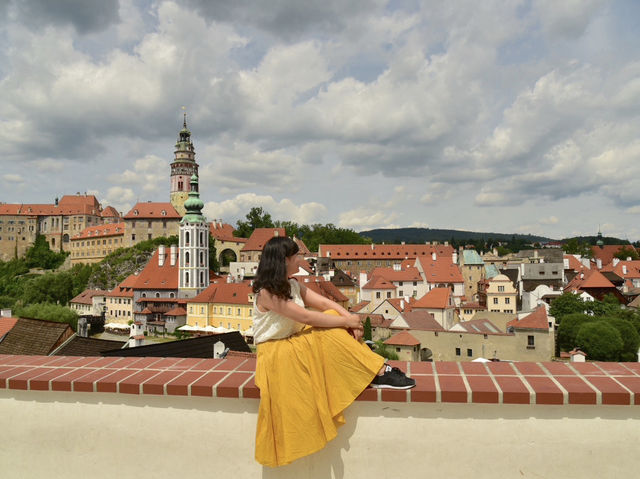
(600, 340)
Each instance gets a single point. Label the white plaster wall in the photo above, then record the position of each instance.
(80, 435)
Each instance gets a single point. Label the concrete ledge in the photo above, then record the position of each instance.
(547, 383)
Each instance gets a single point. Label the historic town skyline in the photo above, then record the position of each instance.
(511, 118)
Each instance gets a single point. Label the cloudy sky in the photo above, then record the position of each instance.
(519, 116)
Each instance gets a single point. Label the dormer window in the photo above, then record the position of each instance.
(164, 213)
(136, 212)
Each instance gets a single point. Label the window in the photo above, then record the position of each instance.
(229, 313)
(507, 300)
(377, 294)
(415, 283)
(401, 293)
(157, 295)
(469, 352)
(457, 351)
(201, 309)
(531, 342)
(133, 237)
(388, 294)
(238, 311)
(400, 283)
(495, 300)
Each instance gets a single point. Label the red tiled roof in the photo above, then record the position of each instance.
(395, 302)
(632, 267)
(223, 292)
(420, 320)
(152, 210)
(154, 276)
(224, 232)
(260, 236)
(68, 205)
(405, 274)
(378, 282)
(302, 247)
(6, 209)
(86, 296)
(110, 212)
(6, 324)
(101, 231)
(478, 326)
(574, 263)
(442, 270)
(536, 320)
(402, 339)
(474, 305)
(606, 252)
(177, 311)
(377, 320)
(146, 311)
(125, 288)
(381, 251)
(437, 298)
(357, 307)
(596, 280)
(323, 288)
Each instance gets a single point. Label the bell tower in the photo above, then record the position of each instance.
(194, 246)
(183, 167)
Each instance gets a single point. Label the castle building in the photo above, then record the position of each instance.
(194, 246)
(183, 167)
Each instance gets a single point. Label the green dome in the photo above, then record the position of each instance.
(194, 204)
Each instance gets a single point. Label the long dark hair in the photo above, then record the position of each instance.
(272, 270)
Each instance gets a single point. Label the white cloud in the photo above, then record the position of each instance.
(551, 220)
(122, 199)
(364, 218)
(12, 178)
(236, 208)
(148, 174)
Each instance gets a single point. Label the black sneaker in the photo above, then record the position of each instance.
(392, 378)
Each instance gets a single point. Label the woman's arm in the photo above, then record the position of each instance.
(289, 309)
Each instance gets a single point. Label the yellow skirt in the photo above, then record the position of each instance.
(306, 381)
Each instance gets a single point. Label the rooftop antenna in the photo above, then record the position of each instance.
(184, 110)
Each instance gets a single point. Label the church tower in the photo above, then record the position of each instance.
(194, 246)
(183, 167)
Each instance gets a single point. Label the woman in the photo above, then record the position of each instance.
(309, 366)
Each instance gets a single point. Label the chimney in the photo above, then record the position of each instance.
(624, 269)
(402, 305)
(5, 313)
(628, 258)
(83, 328)
(455, 258)
(276, 233)
(433, 256)
(161, 255)
(581, 275)
(599, 263)
(363, 278)
(615, 262)
(372, 246)
(174, 254)
(446, 243)
(215, 225)
(406, 299)
(402, 243)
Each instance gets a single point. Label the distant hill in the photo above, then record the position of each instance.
(421, 235)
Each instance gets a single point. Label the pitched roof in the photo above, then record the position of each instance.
(35, 337)
(110, 212)
(442, 270)
(301, 246)
(377, 320)
(177, 311)
(574, 263)
(357, 307)
(68, 205)
(224, 232)
(403, 338)
(87, 295)
(471, 257)
(437, 298)
(6, 209)
(78, 346)
(419, 320)
(536, 320)
(324, 288)
(6, 324)
(589, 278)
(404, 274)
(101, 231)
(152, 210)
(227, 293)
(340, 278)
(378, 282)
(125, 288)
(605, 253)
(632, 269)
(260, 236)
(397, 304)
(382, 251)
(154, 276)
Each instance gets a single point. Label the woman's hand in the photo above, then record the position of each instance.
(352, 321)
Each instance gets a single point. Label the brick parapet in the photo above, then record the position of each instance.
(544, 383)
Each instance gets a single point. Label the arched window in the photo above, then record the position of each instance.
(186, 238)
(201, 238)
(201, 258)
(186, 259)
(157, 295)
(172, 295)
(201, 278)
(186, 278)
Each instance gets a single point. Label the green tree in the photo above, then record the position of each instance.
(600, 340)
(567, 303)
(575, 246)
(384, 351)
(630, 338)
(256, 218)
(568, 329)
(367, 329)
(41, 256)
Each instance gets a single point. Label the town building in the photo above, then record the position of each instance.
(222, 304)
(498, 294)
(194, 246)
(439, 303)
(95, 243)
(120, 301)
(472, 270)
(227, 245)
(91, 302)
(149, 220)
(346, 285)
(351, 257)
(183, 167)
(405, 345)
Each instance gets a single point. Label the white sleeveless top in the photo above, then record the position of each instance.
(271, 325)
